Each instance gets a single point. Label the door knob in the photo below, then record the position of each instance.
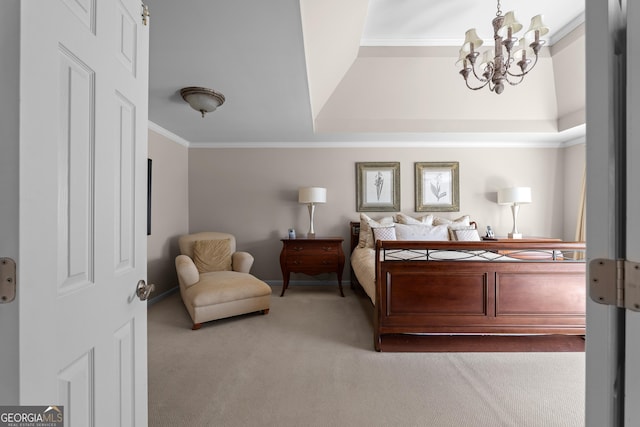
(143, 290)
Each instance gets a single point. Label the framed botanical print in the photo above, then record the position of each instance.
(437, 186)
(378, 186)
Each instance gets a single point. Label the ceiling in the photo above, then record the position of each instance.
(254, 53)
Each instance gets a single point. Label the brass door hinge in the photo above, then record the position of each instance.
(7, 280)
(145, 14)
(615, 282)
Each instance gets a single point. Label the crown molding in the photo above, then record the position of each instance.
(168, 134)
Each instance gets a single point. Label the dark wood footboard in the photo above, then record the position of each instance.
(480, 305)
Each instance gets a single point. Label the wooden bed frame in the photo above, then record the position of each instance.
(526, 305)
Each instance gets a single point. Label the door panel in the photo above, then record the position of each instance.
(603, 23)
(632, 321)
(83, 160)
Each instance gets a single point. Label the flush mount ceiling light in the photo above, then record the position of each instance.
(202, 99)
(496, 70)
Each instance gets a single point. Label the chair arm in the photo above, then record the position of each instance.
(241, 262)
(187, 272)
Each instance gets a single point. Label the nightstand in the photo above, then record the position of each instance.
(525, 239)
(311, 256)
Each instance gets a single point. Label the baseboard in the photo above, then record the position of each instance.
(162, 296)
(308, 282)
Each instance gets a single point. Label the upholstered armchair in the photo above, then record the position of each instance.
(214, 279)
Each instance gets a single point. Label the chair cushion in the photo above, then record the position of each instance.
(224, 286)
(212, 255)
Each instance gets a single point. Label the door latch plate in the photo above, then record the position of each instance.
(7, 280)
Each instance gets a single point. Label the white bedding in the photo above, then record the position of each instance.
(363, 262)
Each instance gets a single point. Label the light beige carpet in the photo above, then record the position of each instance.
(310, 362)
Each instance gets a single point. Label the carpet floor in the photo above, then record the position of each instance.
(310, 362)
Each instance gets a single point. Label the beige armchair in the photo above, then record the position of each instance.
(214, 279)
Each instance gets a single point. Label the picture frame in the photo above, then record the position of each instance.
(437, 186)
(378, 186)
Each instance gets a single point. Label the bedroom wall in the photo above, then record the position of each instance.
(169, 210)
(575, 163)
(252, 192)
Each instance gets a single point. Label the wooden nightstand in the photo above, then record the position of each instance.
(311, 256)
(525, 239)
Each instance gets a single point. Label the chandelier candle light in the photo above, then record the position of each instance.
(311, 196)
(498, 70)
(515, 197)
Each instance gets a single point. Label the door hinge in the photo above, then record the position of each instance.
(615, 282)
(7, 280)
(145, 14)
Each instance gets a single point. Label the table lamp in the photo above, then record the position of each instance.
(311, 196)
(514, 196)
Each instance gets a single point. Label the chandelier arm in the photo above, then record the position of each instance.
(526, 72)
(482, 79)
(521, 76)
(476, 88)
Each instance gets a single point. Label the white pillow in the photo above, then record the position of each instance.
(422, 232)
(384, 233)
(406, 219)
(366, 239)
(467, 235)
(463, 220)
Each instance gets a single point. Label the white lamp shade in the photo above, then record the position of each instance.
(487, 57)
(462, 55)
(312, 195)
(514, 195)
(510, 22)
(471, 38)
(521, 48)
(537, 24)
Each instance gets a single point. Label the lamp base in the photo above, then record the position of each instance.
(514, 235)
(311, 235)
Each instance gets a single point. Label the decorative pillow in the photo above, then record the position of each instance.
(422, 232)
(384, 233)
(467, 235)
(366, 239)
(406, 219)
(463, 220)
(455, 227)
(212, 255)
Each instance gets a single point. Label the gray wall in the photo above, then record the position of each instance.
(575, 167)
(9, 149)
(169, 210)
(252, 192)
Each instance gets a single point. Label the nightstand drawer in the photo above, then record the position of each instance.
(322, 260)
(305, 248)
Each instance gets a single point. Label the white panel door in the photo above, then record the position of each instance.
(604, 21)
(632, 327)
(83, 152)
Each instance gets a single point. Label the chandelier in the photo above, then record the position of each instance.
(495, 71)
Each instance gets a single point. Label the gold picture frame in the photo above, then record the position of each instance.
(378, 186)
(437, 186)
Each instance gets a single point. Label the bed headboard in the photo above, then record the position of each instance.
(354, 227)
(354, 232)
